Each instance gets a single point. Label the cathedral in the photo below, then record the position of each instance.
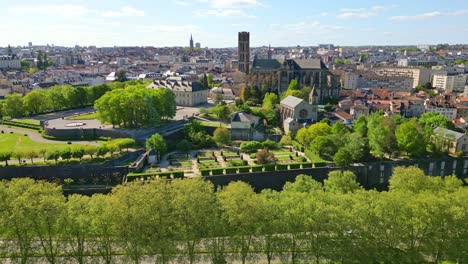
(311, 72)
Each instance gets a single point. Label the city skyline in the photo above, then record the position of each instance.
(215, 23)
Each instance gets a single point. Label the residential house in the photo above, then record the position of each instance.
(450, 140)
(243, 126)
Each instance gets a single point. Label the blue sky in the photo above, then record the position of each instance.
(215, 23)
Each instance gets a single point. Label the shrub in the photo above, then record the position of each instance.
(269, 167)
(270, 144)
(264, 156)
(459, 154)
(236, 163)
(307, 165)
(250, 146)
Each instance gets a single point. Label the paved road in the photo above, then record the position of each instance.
(34, 136)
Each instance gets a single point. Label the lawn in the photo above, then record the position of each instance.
(88, 116)
(28, 121)
(14, 142)
(208, 164)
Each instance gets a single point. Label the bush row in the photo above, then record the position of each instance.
(261, 168)
(169, 174)
(23, 125)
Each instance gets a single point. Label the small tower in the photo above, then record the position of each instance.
(313, 96)
(191, 42)
(270, 52)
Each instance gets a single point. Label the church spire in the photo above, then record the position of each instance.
(191, 42)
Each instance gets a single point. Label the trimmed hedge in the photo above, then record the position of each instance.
(23, 125)
(136, 176)
(319, 164)
(257, 168)
(231, 170)
(217, 171)
(205, 172)
(269, 167)
(307, 165)
(282, 167)
(244, 169)
(294, 166)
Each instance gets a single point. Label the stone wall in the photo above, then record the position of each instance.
(75, 133)
(369, 175)
(107, 173)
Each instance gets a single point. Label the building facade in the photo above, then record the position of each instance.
(186, 93)
(9, 62)
(311, 72)
(449, 83)
(419, 75)
(244, 52)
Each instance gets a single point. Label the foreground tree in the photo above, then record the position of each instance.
(222, 136)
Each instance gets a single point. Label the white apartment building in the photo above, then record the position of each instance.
(444, 109)
(419, 75)
(450, 83)
(9, 62)
(394, 83)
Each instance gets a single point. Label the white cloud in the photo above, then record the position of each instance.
(308, 26)
(125, 11)
(222, 13)
(348, 13)
(66, 10)
(429, 15)
(182, 3)
(233, 3)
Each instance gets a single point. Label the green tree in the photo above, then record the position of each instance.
(342, 157)
(90, 150)
(294, 85)
(78, 152)
(184, 145)
(410, 138)
(102, 151)
(36, 101)
(66, 154)
(5, 156)
(31, 155)
(324, 146)
(77, 227)
(270, 101)
(341, 182)
(125, 143)
(13, 105)
(240, 206)
(157, 143)
(222, 136)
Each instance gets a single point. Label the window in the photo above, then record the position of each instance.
(382, 174)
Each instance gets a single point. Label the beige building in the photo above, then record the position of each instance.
(444, 108)
(187, 93)
(394, 83)
(450, 83)
(450, 141)
(419, 75)
(296, 112)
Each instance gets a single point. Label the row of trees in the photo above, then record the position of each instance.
(421, 219)
(374, 136)
(136, 106)
(56, 98)
(77, 152)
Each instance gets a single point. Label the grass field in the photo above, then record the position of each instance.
(88, 116)
(14, 142)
